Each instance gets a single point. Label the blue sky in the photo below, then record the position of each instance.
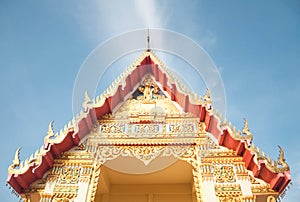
(255, 46)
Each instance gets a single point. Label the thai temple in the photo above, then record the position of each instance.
(147, 138)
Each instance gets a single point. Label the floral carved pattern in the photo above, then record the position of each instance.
(147, 128)
(181, 128)
(224, 174)
(69, 175)
(146, 154)
(112, 128)
(229, 199)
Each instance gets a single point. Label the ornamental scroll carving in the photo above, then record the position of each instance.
(112, 128)
(65, 199)
(224, 174)
(125, 130)
(147, 128)
(146, 154)
(69, 175)
(230, 199)
(182, 128)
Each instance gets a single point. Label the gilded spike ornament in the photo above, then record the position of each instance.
(50, 133)
(281, 159)
(16, 161)
(87, 103)
(246, 131)
(207, 97)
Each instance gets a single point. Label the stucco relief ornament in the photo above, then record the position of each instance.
(145, 154)
(149, 90)
(62, 200)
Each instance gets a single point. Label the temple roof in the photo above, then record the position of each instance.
(22, 175)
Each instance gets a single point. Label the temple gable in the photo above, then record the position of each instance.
(148, 138)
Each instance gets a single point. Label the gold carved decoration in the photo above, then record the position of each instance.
(245, 134)
(224, 174)
(94, 181)
(207, 97)
(146, 154)
(87, 103)
(62, 199)
(191, 157)
(230, 199)
(155, 107)
(112, 128)
(281, 159)
(202, 127)
(271, 199)
(149, 90)
(271, 164)
(80, 147)
(69, 175)
(50, 133)
(147, 128)
(246, 130)
(259, 155)
(181, 128)
(118, 129)
(16, 161)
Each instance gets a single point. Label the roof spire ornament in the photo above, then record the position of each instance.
(148, 41)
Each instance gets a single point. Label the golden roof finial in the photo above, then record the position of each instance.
(148, 40)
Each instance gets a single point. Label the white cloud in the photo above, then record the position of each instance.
(100, 20)
(149, 13)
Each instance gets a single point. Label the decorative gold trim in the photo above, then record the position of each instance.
(94, 182)
(16, 162)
